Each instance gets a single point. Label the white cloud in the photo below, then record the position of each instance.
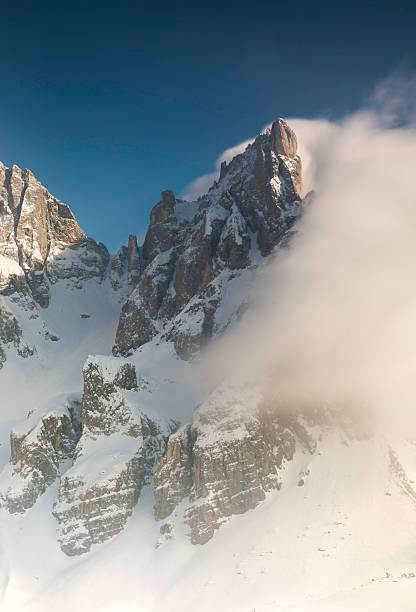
(334, 316)
(394, 100)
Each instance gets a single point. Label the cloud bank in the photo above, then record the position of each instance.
(333, 316)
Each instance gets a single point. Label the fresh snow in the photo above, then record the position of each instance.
(337, 543)
(9, 267)
(56, 366)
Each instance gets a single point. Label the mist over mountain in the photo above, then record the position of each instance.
(218, 416)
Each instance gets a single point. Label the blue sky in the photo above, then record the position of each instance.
(109, 103)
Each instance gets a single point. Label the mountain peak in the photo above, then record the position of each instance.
(191, 247)
(284, 141)
(35, 230)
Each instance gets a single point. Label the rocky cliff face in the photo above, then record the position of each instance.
(35, 228)
(11, 334)
(224, 462)
(127, 265)
(187, 283)
(193, 250)
(40, 449)
(114, 458)
(42, 247)
(102, 449)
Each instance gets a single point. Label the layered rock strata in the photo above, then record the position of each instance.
(225, 462)
(114, 459)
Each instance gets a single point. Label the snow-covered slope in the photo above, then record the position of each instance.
(341, 541)
(76, 323)
(60, 293)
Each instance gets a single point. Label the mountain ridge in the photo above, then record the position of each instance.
(128, 448)
(193, 258)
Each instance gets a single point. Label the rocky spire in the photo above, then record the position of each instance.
(164, 208)
(284, 141)
(134, 267)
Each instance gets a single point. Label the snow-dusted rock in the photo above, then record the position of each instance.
(11, 334)
(114, 459)
(188, 245)
(33, 226)
(42, 245)
(40, 447)
(227, 459)
(126, 265)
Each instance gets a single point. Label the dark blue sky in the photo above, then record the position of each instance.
(110, 103)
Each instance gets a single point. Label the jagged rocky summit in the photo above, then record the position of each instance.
(131, 426)
(194, 251)
(44, 251)
(40, 234)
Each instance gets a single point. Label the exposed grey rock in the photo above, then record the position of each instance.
(32, 223)
(11, 335)
(227, 459)
(127, 266)
(114, 458)
(134, 261)
(118, 268)
(164, 208)
(41, 244)
(40, 446)
(40, 234)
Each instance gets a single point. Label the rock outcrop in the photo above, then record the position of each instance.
(284, 140)
(127, 265)
(114, 459)
(34, 227)
(11, 335)
(102, 449)
(40, 448)
(193, 250)
(227, 459)
(41, 246)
